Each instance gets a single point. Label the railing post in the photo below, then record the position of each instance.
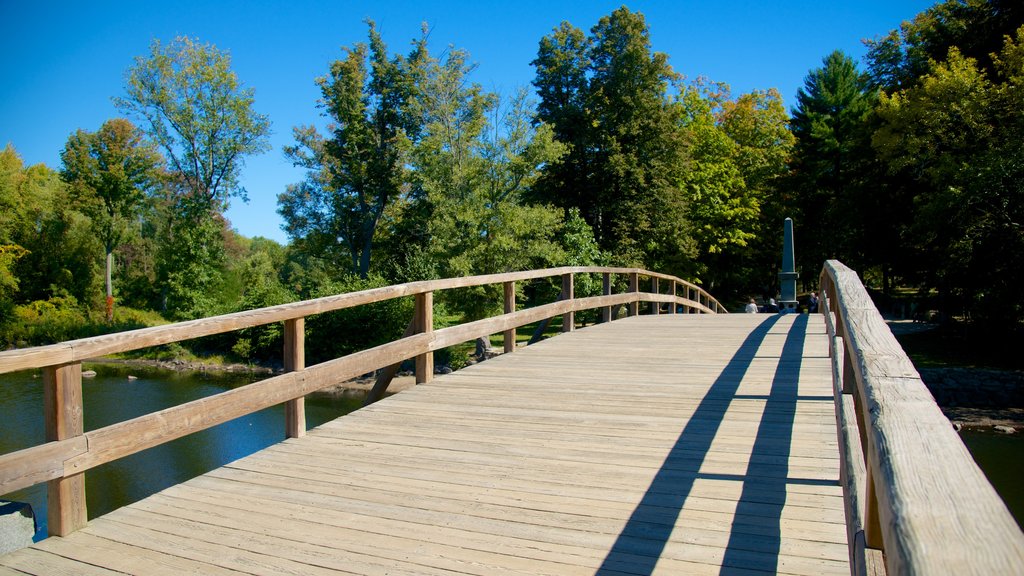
(510, 306)
(655, 288)
(62, 400)
(606, 289)
(634, 287)
(568, 293)
(672, 290)
(872, 522)
(294, 361)
(424, 316)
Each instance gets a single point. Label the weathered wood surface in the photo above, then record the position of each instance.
(672, 444)
(927, 503)
(131, 436)
(86, 348)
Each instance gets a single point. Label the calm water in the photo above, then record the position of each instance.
(111, 397)
(1001, 457)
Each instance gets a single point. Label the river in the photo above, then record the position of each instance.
(112, 397)
(1001, 457)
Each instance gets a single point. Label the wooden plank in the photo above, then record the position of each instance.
(89, 548)
(510, 306)
(532, 463)
(424, 318)
(38, 464)
(62, 401)
(568, 293)
(606, 290)
(119, 440)
(294, 361)
(42, 563)
(929, 490)
(386, 374)
(634, 287)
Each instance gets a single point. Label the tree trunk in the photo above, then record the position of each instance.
(110, 285)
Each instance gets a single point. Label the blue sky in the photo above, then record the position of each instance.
(64, 61)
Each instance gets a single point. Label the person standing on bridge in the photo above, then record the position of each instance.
(812, 304)
(751, 307)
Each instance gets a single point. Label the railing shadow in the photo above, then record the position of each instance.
(647, 532)
(764, 485)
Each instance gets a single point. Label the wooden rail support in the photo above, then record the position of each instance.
(872, 520)
(510, 307)
(568, 293)
(634, 287)
(62, 400)
(656, 289)
(606, 289)
(424, 317)
(294, 361)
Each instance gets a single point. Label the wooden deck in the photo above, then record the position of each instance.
(673, 444)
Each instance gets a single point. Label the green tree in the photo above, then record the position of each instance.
(829, 163)
(955, 135)
(361, 168)
(475, 162)
(39, 218)
(476, 176)
(109, 172)
(759, 125)
(738, 148)
(975, 27)
(200, 115)
(607, 97)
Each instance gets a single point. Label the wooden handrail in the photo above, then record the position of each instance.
(86, 348)
(71, 451)
(912, 490)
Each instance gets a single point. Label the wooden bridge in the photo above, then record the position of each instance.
(660, 443)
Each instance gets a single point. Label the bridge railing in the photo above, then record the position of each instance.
(70, 450)
(915, 499)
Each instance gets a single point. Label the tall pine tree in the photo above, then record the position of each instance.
(607, 96)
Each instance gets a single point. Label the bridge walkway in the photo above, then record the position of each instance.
(671, 444)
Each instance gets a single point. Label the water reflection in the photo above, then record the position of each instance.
(1001, 458)
(111, 397)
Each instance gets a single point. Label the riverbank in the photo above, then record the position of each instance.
(972, 398)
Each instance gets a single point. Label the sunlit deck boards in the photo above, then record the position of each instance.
(659, 444)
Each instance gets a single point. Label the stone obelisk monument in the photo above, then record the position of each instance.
(787, 278)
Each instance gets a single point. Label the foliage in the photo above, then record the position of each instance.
(361, 168)
(62, 318)
(38, 215)
(975, 27)
(830, 163)
(606, 96)
(199, 114)
(474, 164)
(9, 254)
(262, 289)
(109, 173)
(342, 332)
(956, 135)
